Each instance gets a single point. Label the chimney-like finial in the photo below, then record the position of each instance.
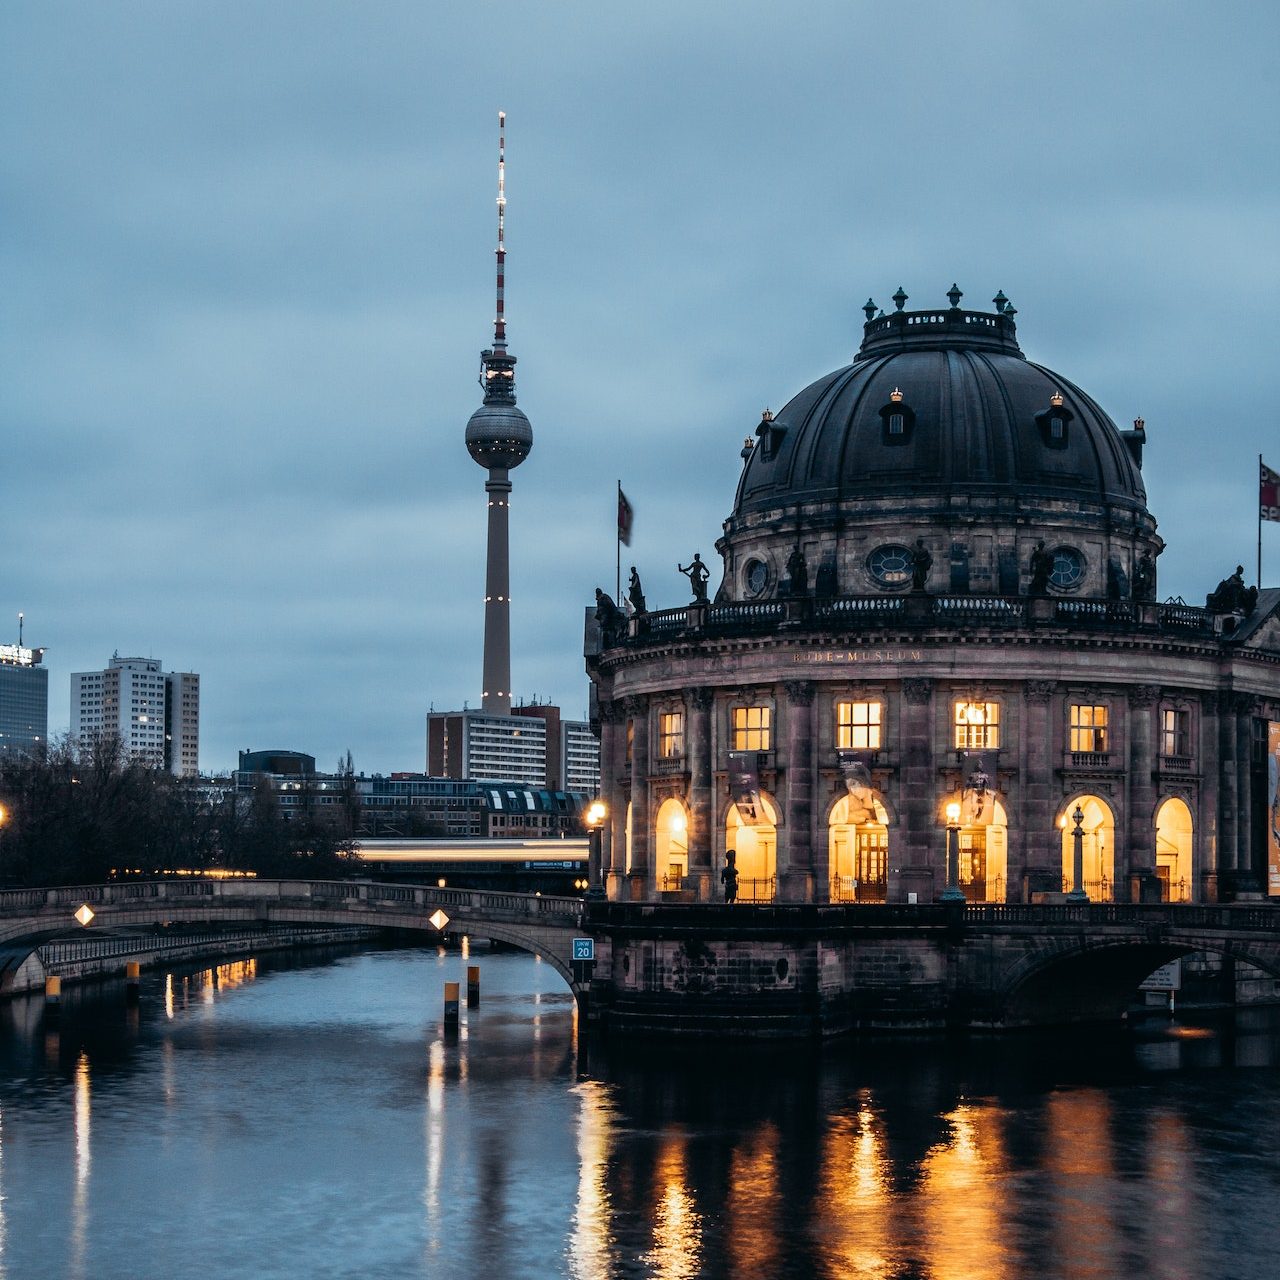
(955, 295)
(869, 309)
(899, 299)
(1000, 302)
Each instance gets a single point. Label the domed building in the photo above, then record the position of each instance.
(936, 664)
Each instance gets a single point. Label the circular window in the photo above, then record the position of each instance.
(890, 566)
(756, 577)
(1068, 568)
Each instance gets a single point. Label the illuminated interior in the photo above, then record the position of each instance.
(671, 845)
(984, 854)
(757, 848)
(858, 844)
(1173, 851)
(1098, 847)
(627, 860)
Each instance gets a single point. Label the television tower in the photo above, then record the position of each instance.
(499, 437)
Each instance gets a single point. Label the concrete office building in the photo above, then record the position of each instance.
(154, 713)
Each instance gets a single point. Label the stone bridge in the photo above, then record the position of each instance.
(770, 969)
(541, 924)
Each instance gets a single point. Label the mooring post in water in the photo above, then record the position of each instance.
(52, 995)
(451, 1005)
(132, 981)
(473, 986)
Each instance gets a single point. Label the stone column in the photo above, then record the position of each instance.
(1228, 781)
(917, 847)
(1035, 865)
(613, 833)
(1205, 832)
(640, 881)
(702, 809)
(1140, 884)
(599, 872)
(795, 882)
(1248, 884)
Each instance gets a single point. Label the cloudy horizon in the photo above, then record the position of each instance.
(249, 272)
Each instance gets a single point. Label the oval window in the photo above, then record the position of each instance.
(756, 576)
(890, 565)
(1068, 568)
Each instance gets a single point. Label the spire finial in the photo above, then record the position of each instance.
(500, 318)
(1000, 302)
(869, 309)
(955, 295)
(899, 299)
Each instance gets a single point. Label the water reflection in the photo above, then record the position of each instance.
(254, 1097)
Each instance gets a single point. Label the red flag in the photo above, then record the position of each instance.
(625, 516)
(1269, 493)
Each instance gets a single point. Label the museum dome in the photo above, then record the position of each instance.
(941, 403)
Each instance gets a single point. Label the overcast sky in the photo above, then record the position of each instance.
(247, 260)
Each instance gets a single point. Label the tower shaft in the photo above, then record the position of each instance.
(496, 693)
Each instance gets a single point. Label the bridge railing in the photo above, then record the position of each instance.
(482, 902)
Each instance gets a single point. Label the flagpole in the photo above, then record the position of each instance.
(617, 534)
(1259, 583)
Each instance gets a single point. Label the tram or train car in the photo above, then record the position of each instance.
(529, 866)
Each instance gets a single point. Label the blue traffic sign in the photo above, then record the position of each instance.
(584, 948)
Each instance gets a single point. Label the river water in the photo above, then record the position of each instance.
(307, 1116)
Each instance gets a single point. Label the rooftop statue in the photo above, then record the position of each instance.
(1232, 596)
(635, 593)
(921, 563)
(697, 573)
(799, 572)
(1041, 570)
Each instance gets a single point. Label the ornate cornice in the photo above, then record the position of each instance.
(610, 713)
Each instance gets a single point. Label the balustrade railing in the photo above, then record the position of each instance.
(916, 611)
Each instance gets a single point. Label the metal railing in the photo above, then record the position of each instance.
(1098, 890)
(759, 889)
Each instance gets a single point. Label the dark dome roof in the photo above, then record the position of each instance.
(980, 419)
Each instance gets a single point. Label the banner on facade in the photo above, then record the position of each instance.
(744, 786)
(977, 798)
(857, 778)
(1273, 808)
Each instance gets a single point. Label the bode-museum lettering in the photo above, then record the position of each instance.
(859, 655)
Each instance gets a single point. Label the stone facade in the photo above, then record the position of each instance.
(885, 644)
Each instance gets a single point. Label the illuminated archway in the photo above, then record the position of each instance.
(859, 850)
(983, 853)
(1098, 847)
(1173, 850)
(757, 851)
(671, 845)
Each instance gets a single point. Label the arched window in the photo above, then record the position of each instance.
(1097, 833)
(1173, 851)
(671, 845)
(756, 849)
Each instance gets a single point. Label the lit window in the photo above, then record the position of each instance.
(1088, 728)
(751, 728)
(1176, 726)
(977, 725)
(671, 735)
(858, 726)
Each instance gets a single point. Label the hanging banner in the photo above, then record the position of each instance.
(857, 778)
(744, 786)
(1273, 808)
(977, 798)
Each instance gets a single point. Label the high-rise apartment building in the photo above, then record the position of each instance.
(24, 700)
(155, 713)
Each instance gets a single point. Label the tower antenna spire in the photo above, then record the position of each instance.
(499, 318)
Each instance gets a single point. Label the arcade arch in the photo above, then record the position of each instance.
(755, 843)
(671, 844)
(1098, 846)
(858, 848)
(1173, 850)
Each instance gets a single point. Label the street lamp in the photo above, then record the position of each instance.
(596, 813)
(953, 892)
(1077, 893)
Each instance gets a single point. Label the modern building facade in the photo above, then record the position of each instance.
(155, 713)
(533, 745)
(937, 660)
(24, 700)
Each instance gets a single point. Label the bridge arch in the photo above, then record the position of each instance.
(1066, 979)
